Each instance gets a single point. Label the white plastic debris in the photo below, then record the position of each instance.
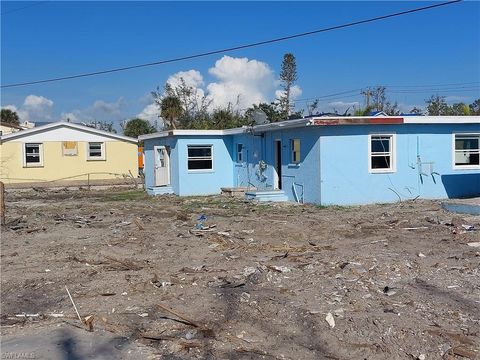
(249, 270)
(282, 269)
(421, 255)
(330, 320)
(474, 244)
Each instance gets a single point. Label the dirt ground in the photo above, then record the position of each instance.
(251, 281)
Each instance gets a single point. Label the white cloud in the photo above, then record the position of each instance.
(70, 116)
(10, 107)
(192, 78)
(295, 92)
(37, 102)
(100, 110)
(34, 108)
(102, 107)
(150, 113)
(240, 81)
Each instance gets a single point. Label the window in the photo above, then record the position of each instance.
(33, 155)
(295, 148)
(239, 153)
(96, 151)
(466, 151)
(200, 157)
(381, 153)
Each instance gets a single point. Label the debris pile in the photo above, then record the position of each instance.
(220, 278)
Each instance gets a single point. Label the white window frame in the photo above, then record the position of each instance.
(292, 151)
(40, 152)
(201, 158)
(239, 158)
(454, 150)
(96, 158)
(392, 153)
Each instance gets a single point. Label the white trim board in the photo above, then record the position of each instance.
(43, 133)
(192, 133)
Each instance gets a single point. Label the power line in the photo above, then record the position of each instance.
(469, 86)
(235, 48)
(24, 7)
(436, 85)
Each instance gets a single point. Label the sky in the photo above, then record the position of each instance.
(414, 56)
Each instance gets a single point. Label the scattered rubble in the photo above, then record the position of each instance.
(216, 277)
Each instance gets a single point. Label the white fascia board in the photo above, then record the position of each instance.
(281, 125)
(167, 133)
(441, 119)
(48, 127)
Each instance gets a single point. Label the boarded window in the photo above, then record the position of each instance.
(69, 148)
(467, 150)
(200, 157)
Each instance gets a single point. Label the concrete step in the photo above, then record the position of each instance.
(266, 195)
(159, 190)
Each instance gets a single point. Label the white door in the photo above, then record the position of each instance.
(162, 166)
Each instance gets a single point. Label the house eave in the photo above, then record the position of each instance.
(58, 124)
(168, 133)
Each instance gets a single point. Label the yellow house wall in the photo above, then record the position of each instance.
(120, 158)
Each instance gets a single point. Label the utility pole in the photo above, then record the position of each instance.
(368, 92)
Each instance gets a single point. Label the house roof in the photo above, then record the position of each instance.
(70, 125)
(193, 133)
(323, 121)
(367, 120)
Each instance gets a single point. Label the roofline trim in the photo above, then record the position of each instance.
(168, 133)
(322, 121)
(69, 125)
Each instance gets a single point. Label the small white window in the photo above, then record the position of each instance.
(33, 155)
(239, 153)
(96, 151)
(381, 153)
(199, 157)
(466, 151)
(295, 150)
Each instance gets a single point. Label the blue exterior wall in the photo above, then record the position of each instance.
(183, 181)
(149, 165)
(334, 164)
(345, 178)
(205, 182)
(299, 181)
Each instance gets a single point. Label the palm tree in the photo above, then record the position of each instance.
(171, 109)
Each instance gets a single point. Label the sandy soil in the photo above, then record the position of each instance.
(280, 281)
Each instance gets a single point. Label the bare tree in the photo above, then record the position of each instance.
(288, 76)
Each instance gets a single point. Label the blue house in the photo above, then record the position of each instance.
(322, 160)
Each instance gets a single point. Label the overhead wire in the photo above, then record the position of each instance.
(234, 48)
(24, 7)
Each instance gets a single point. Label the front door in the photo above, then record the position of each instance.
(162, 166)
(278, 165)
